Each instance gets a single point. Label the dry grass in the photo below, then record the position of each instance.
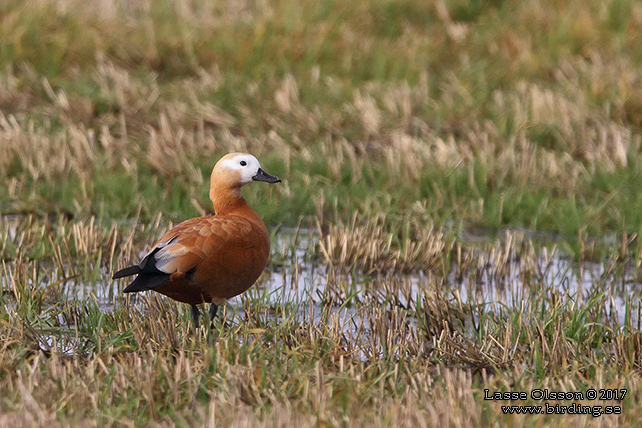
(500, 124)
(374, 348)
(399, 129)
(370, 248)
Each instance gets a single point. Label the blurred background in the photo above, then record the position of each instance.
(487, 112)
(460, 209)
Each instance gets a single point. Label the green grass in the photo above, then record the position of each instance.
(402, 131)
(355, 354)
(529, 116)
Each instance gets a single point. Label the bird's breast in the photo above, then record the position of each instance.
(236, 266)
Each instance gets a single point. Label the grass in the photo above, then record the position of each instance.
(471, 109)
(362, 348)
(403, 130)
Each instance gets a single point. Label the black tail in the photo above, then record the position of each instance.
(146, 281)
(148, 277)
(128, 271)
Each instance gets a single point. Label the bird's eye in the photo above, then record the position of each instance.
(243, 163)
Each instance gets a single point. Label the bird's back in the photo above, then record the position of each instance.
(206, 259)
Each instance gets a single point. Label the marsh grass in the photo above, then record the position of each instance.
(442, 111)
(401, 129)
(388, 347)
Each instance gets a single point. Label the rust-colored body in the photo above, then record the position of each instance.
(210, 259)
(228, 253)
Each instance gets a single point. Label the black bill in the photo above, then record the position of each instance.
(264, 176)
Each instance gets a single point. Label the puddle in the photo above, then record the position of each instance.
(304, 282)
(298, 277)
(571, 280)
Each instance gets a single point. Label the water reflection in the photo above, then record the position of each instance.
(298, 278)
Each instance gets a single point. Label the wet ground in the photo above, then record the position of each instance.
(296, 276)
(498, 276)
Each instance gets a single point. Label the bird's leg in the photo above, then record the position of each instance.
(195, 315)
(213, 311)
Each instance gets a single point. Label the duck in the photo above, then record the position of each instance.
(210, 259)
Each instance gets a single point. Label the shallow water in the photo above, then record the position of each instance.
(305, 281)
(298, 277)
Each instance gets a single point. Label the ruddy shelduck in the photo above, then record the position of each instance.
(213, 258)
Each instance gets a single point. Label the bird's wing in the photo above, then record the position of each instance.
(182, 248)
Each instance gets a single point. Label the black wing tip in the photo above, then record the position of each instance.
(134, 287)
(146, 282)
(128, 271)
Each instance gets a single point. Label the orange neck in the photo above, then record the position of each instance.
(228, 200)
